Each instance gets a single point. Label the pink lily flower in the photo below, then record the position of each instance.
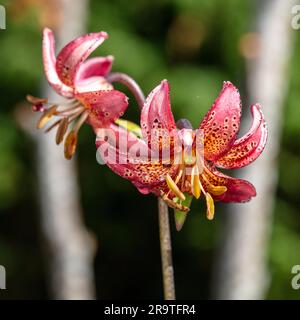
(92, 98)
(176, 181)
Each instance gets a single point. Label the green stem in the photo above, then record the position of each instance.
(166, 250)
(163, 213)
(128, 82)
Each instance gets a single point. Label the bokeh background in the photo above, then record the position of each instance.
(195, 44)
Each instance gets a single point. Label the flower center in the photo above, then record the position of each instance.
(188, 181)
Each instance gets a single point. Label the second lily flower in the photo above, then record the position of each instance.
(90, 97)
(174, 181)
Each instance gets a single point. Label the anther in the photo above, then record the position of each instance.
(48, 114)
(173, 187)
(195, 183)
(70, 144)
(61, 130)
(210, 211)
(35, 100)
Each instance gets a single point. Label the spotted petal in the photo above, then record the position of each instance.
(99, 66)
(246, 149)
(221, 123)
(91, 73)
(157, 121)
(106, 106)
(92, 84)
(75, 53)
(129, 157)
(238, 190)
(50, 65)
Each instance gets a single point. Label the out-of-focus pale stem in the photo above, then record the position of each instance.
(163, 214)
(69, 245)
(241, 268)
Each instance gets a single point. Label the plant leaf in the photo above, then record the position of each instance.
(180, 216)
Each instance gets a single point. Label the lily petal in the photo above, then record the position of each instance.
(99, 66)
(92, 84)
(91, 73)
(50, 65)
(129, 157)
(221, 123)
(238, 190)
(74, 53)
(246, 149)
(157, 121)
(106, 106)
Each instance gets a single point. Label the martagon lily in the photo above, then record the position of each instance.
(178, 181)
(90, 97)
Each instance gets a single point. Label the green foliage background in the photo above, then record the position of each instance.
(194, 44)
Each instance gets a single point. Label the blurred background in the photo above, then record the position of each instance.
(247, 251)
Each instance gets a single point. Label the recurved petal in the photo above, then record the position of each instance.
(75, 53)
(106, 106)
(99, 66)
(96, 83)
(157, 121)
(50, 65)
(246, 149)
(238, 190)
(221, 123)
(129, 157)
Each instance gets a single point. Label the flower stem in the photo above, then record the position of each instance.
(166, 250)
(130, 84)
(163, 213)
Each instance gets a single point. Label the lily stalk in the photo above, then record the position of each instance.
(163, 212)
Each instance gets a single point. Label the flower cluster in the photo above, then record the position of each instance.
(170, 160)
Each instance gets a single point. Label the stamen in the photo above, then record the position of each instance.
(61, 130)
(67, 107)
(75, 116)
(81, 121)
(71, 111)
(210, 212)
(48, 114)
(70, 144)
(214, 190)
(177, 179)
(172, 186)
(195, 182)
(53, 126)
(35, 100)
(179, 176)
(174, 205)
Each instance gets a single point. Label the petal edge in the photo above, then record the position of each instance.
(247, 148)
(49, 61)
